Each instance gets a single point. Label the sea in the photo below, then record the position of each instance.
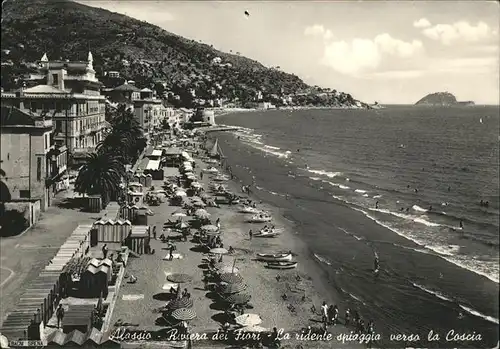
(403, 183)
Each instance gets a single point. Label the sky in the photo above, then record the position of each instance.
(393, 52)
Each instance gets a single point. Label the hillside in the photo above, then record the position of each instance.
(442, 99)
(184, 70)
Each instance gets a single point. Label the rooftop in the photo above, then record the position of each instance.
(12, 116)
(45, 89)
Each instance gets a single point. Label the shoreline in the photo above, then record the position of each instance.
(319, 268)
(319, 290)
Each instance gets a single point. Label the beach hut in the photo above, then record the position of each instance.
(138, 239)
(135, 198)
(94, 281)
(149, 179)
(112, 230)
(79, 318)
(135, 186)
(93, 203)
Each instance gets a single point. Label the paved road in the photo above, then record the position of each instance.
(28, 254)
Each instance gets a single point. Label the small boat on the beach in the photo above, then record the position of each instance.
(211, 169)
(266, 235)
(281, 265)
(260, 218)
(274, 257)
(249, 209)
(221, 178)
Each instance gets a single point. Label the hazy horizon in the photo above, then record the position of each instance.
(391, 52)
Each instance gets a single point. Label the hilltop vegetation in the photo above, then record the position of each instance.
(184, 70)
(442, 99)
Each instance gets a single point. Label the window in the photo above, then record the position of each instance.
(24, 194)
(46, 138)
(39, 169)
(33, 106)
(58, 126)
(55, 78)
(58, 107)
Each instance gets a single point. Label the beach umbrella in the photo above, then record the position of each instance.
(180, 303)
(196, 185)
(212, 233)
(180, 193)
(238, 298)
(179, 214)
(183, 225)
(209, 227)
(233, 288)
(199, 204)
(201, 213)
(248, 320)
(179, 278)
(184, 314)
(253, 329)
(230, 278)
(218, 250)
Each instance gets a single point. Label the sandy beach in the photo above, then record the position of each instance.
(138, 304)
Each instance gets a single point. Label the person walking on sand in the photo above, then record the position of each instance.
(60, 315)
(201, 175)
(105, 251)
(250, 234)
(324, 312)
(347, 316)
(171, 249)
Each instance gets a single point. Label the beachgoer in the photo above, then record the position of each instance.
(347, 316)
(449, 188)
(154, 232)
(231, 250)
(335, 314)
(376, 205)
(324, 310)
(171, 249)
(201, 175)
(407, 209)
(430, 208)
(105, 251)
(87, 250)
(371, 327)
(60, 315)
(461, 224)
(331, 313)
(250, 234)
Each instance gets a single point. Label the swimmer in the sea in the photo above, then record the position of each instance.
(376, 205)
(461, 224)
(416, 190)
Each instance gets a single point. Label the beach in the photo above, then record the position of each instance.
(301, 285)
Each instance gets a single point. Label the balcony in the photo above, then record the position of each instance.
(57, 161)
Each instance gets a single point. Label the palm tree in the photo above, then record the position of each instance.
(100, 175)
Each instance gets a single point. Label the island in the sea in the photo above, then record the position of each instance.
(443, 99)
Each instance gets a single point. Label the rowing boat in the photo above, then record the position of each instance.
(274, 257)
(281, 265)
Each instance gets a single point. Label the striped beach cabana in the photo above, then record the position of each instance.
(138, 239)
(92, 339)
(112, 230)
(94, 281)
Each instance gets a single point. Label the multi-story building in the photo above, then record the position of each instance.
(69, 93)
(30, 162)
(148, 110)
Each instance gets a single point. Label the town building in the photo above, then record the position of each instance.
(31, 163)
(69, 93)
(148, 110)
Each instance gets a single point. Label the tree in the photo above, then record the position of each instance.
(100, 175)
